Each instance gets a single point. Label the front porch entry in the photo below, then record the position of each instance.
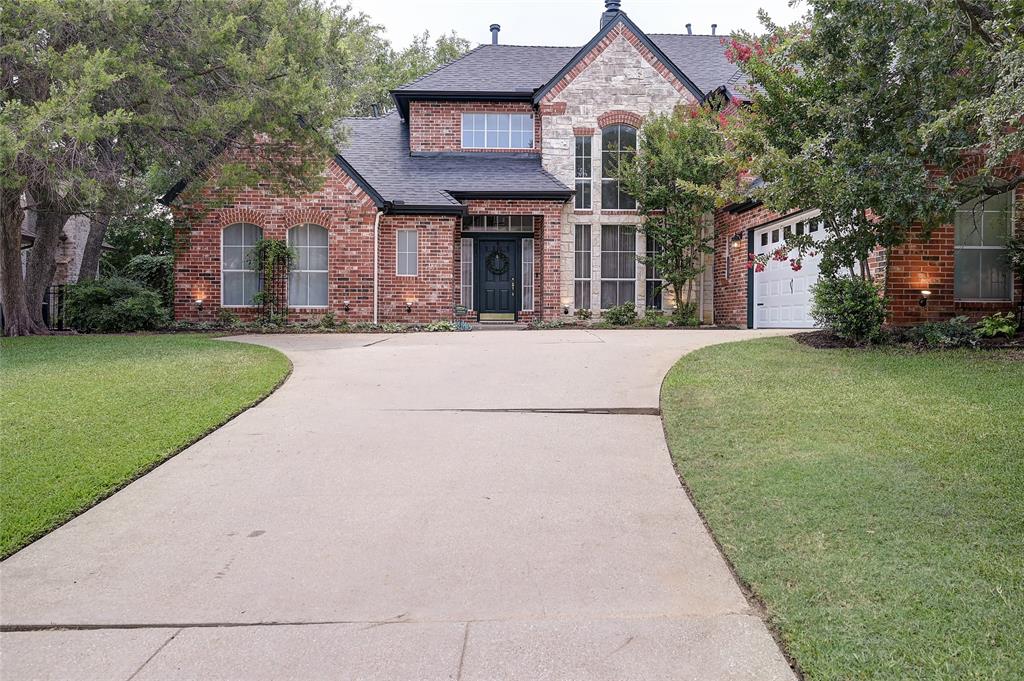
(497, 252)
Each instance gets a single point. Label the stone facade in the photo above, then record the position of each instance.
(619, 81)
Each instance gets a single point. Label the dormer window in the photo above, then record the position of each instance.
(497, 131)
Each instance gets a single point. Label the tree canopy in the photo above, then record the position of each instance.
(865, 110)
(104, 104)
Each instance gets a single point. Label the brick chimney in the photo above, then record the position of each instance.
(611, 9)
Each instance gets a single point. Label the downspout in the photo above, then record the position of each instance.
(376, 263)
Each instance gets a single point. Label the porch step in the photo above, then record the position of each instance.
(484, 326)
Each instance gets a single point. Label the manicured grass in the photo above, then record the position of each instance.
(873, 499)
(81, 415)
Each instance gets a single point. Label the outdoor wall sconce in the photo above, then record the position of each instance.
(408, 306)
(923, 301)
(199, 304)
(346, 306)
(734, 242)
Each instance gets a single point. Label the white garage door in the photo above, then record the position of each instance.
(782, 297)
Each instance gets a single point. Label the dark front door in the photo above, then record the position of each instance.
(497, 269)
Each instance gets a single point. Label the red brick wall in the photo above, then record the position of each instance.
(429, 295)
(340, 206)
(437, 126)
(928, 264)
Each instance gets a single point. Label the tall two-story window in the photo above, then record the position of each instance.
(618, 265)
(239, 280)
(618, 143)
(497, 131)
(581, 268)
(982, 271)
(584, 171)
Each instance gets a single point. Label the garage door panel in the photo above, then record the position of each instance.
(782, 296)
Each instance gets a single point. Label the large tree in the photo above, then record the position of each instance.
(676, 179)
(865, 110)
(98, 95)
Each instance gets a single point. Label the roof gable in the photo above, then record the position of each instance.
(620, 25)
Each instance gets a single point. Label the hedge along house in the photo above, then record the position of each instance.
(490, 194)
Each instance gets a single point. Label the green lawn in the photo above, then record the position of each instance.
(873, 499)
(82, 415)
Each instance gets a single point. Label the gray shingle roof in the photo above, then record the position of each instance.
(378, 149)
(701, 57)
(523, 69)
(496, 68)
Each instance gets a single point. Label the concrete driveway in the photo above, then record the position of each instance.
(405, 507)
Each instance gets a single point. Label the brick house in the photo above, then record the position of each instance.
(489, 194)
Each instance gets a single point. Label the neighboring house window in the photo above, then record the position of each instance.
(581, 268)
(652, 277)
(584, 171)
(239, 281)
(407, 256)
(466, 265)
(618, 143)
(497, 131)
(618, 265)
(307, 281)
(981, 268)
(527, 274)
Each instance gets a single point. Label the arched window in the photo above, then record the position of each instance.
(307, 281)
(618, 143)
(239, 281)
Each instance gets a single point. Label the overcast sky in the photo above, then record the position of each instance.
(561, 22)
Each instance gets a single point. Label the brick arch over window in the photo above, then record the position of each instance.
(974, 166)
(309, 216)
(618, 116)
(231, 216)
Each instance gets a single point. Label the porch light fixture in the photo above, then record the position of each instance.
(923, 301)
(736, 239)
(408, 306)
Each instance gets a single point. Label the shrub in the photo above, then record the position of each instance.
(655, 320)
(849, 307)
(686, 315)
(542, 324)
(621, 315)
(327, 321)
(955, 333)
(155, 272)
(583, 314)
(997, 325)
(113, 305)
(228, 318)
(441, 325)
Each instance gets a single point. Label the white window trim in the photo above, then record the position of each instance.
(467, 245)
(527, 248)
(1013, 281)
(288, 239)
(590, 177)
(416, 273)
(462, 129)
(222, 270)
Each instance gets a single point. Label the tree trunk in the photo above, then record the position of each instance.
(94, 246)
(17, 320)
(42, 259)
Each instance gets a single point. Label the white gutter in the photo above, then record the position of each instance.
(376, 262)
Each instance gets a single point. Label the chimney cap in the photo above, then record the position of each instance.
(495, 27)
(494, 33)
(612, 5)
(714, 27)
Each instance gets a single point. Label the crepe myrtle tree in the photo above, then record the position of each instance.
(676, 179)
(865, 110)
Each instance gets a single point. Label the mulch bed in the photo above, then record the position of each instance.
(826, 340)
